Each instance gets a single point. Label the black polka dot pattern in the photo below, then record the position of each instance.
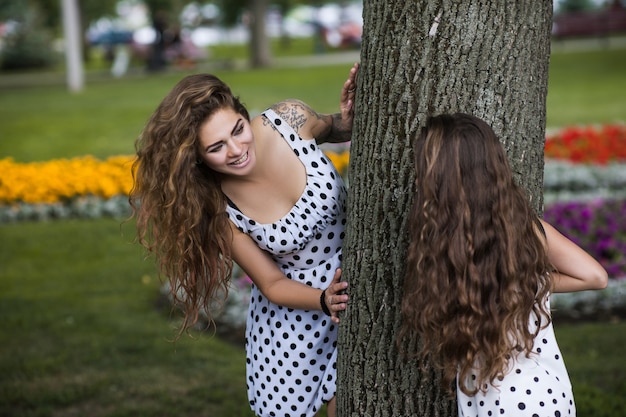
(291, 354)
(535, 386)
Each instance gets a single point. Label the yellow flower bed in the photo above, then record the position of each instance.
(59, 180)
(339, 159)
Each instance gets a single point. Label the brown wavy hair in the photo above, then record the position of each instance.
(477, 266)
(177, 200)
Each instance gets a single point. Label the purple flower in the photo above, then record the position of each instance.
(598, 226)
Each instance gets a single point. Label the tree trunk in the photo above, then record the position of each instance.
(73, 46)
(259, 42)
(420, 58)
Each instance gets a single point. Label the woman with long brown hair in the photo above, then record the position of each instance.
(213, 187)
(481, 267)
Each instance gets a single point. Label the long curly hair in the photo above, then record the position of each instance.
(179, 207)
(478, 270)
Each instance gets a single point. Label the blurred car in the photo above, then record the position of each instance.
(111, 37)
(108, 32)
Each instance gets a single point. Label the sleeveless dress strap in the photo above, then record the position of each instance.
(286, 131)
(543, 231)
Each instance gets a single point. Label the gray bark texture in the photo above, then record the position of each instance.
(421, 58)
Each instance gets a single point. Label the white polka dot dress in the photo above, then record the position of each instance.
(291, 354)
(538, 386)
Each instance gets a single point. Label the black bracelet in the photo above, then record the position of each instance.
(323, 303)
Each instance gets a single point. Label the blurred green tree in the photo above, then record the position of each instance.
(38, 22)
(27, 44)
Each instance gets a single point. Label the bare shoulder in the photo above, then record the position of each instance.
(263, 127)
(297, 114)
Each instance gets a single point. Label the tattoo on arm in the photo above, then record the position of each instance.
(336, 132)
(266, 122)
(295, 113)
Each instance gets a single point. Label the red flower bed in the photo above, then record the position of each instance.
(594, 145)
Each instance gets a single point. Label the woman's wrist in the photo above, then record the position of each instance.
(323, 303)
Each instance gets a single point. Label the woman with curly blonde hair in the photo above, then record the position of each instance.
(214, 187)
(481, 267)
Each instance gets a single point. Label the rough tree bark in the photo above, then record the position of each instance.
(419, 58)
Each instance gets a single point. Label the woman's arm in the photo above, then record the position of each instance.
(576, 270)
(277, 287)
(309, 124)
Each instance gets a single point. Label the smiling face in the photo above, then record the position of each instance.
(227, 143)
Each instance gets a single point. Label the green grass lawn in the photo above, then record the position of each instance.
(587, 88)
(84, 332)
(593, 354)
